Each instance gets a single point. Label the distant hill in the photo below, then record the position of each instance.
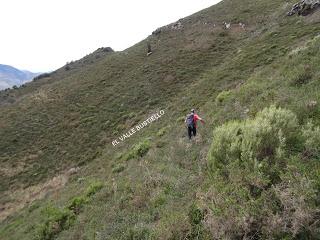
(10, 76)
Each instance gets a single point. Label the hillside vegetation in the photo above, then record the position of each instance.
(251, 173)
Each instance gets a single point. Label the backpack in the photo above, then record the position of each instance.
(190, 120)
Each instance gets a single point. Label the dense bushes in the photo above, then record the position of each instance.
(261, 186)
(257, 146)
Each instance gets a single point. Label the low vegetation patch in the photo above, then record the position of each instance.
(118, 168)
(263, 188)
(138, 150)
(57, 219)
(222, 96)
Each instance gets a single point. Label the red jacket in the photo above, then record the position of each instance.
(195, 119)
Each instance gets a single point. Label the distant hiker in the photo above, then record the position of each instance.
(149, 51)
(191, 123)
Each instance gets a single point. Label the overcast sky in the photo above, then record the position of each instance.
(42, 35)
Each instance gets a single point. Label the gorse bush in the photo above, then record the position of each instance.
(261, 186)
(258, 145)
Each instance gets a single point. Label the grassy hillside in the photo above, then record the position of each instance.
(248, 174)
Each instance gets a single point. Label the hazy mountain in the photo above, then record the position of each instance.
(10, 76)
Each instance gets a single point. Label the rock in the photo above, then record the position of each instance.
(107, 49)
(226, 25)
(173, 26)
(242, 25)
(304, 7)
(73, 170)
(149, 51)
(157, 31)
(177, 26)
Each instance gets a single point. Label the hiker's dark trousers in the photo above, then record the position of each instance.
(192, 130)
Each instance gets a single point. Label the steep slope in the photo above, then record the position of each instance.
(10, 76)
(156, 184)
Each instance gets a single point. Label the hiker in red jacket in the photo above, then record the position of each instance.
(191, 123)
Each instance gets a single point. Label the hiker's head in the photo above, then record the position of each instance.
(192, 110)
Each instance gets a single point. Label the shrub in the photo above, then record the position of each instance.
(261, 187)
(222, 96)
(59, 219)
(301, 75)
(195, 215)
(118, 168)
(94, 188)
(56, 221)
(77, 203)
(256, 145)
(139, 150)
(311, 135)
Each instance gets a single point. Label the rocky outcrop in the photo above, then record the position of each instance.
(304, 7)
(173, 26)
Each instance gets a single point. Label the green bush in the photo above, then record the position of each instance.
(196, 218)
(56, 220)
(222, 96)
(139, 150)
(93, 188)
(256, 145)
(195, 215)
(77, 203)
(260, 183)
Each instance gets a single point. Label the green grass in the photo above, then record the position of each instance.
(71, 117)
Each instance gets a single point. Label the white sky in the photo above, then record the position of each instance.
(42, 35)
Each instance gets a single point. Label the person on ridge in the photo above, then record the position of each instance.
(191, 123)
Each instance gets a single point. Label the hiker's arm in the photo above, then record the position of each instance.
(202, 120)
